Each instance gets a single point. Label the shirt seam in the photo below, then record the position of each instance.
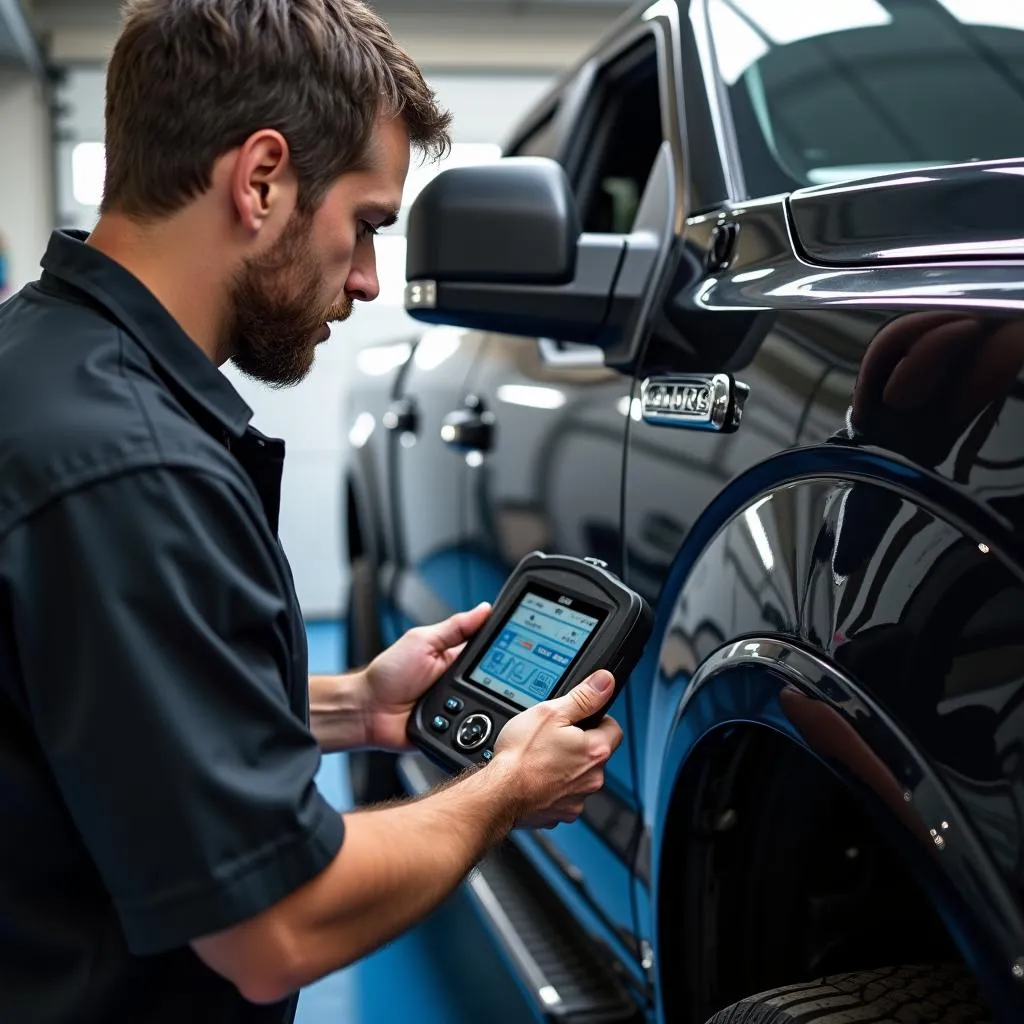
(243, 867)
(139, 404)
(93, 477)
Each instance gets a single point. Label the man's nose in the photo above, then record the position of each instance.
(362, 284)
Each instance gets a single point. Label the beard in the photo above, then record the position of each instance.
(277, 312)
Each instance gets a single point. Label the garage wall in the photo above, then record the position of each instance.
(309, 416)
(26, 214)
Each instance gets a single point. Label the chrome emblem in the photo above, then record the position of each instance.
(702, 402)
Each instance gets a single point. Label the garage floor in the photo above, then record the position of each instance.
(447, 971)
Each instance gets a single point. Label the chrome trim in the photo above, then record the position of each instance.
(421, 295)
(699, 402)
(807, 670)
(573, 355)
(483, 739)
(527, 966)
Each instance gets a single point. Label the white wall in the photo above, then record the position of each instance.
(309, 416)
(26, 216)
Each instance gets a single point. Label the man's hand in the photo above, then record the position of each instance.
(399, 862)
(555, 763)
(399, 676)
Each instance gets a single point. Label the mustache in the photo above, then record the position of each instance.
(338, 312)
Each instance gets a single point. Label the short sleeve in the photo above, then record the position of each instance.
(152, 627)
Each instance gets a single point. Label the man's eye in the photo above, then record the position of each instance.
(366, 230)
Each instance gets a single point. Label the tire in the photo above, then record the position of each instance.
(896, 995)
(372, 775)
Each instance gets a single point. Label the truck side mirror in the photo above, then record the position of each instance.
(498, 247)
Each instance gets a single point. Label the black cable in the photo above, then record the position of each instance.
(634, 770)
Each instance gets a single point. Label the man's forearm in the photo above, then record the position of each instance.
(337, 712)
(395, 866)
(398, 864)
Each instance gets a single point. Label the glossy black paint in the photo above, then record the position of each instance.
(864, 527)
(893, 217)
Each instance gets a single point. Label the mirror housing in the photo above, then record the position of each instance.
(510, 222)
(498, 247)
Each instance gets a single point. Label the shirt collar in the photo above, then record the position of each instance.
(141, 315)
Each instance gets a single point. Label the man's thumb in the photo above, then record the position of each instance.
(589, 697)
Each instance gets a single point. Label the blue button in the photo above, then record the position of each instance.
(487, 755)
(440, 724)
(453, 704)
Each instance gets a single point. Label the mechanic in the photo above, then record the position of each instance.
(164, 852)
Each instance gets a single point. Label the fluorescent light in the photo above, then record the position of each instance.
(737, 45)
(437, 346)
(834, 175)
(361, 429)
(630, 407)
(744, 30)
(787, 21)
(759, 535)
(996, 13)
(88, 169)
(529, 395)
(380, 360)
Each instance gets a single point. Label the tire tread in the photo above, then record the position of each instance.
(918, 994)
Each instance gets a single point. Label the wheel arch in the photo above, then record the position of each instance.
(763, 662)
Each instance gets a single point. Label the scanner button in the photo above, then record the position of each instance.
(453, 704)
(440, 724)
(473, 731)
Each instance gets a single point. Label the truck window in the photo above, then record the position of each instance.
(624, 140)
(826, 92)
(541, 140)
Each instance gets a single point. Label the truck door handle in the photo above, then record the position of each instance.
(401, 417)
(469, 429)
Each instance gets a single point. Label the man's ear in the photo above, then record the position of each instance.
(263, 184)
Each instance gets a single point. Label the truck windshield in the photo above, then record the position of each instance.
(831, 90)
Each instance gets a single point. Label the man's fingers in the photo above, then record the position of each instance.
(451, 654)
(587, 698)
(458, 628)
(607, 731)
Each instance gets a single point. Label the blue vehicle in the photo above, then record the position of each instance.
(741, 313)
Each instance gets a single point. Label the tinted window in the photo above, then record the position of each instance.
(541, 141)
(624, 135)
(828, 90)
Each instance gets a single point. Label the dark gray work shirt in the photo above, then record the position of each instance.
(156, 766)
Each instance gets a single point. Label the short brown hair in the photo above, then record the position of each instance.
(190, 80)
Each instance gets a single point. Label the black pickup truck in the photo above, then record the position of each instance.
(741, 313)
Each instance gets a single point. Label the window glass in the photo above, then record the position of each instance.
(624, 146)
(541, 141)
(829, 91)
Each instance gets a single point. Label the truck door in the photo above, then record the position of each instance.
(549, 473)
(428, 480)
